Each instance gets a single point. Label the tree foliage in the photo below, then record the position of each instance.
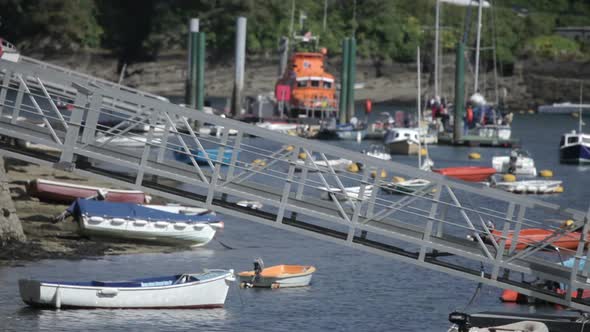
(139, 29)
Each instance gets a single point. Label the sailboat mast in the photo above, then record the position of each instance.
(580, 115)
(477, 46)
(419, 105)
(436, 42)
(292, 18)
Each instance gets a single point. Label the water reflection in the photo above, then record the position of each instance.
(117, 319)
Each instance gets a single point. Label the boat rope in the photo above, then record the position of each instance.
(237, 287)
(224, 245)
(477, 289)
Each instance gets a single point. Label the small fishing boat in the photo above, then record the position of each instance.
(467, 173)
(200, 157)
(278, 126)
(531, 186)
(137, 222)
(278, 276)
(574, 148)
(349, 193)
(322, 165)
(495, 131)
(66, 193)
(402, 141)
(518, 163)
(348, 131)
(530, 237)
(189, 290)
(376, 151)
(406, 187)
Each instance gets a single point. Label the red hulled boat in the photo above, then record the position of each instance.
(531, 236)
(66, 193)
(511, 296)
(467, 173)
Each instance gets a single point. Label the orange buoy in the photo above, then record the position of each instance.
(509, 295)
(368, 106)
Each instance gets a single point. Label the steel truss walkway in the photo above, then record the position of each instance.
(427, 228)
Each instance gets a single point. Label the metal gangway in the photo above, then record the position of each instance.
(90, 126)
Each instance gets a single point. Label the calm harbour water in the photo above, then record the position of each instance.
(351, 290)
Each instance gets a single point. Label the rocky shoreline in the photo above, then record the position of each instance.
(47, 239)
(527, 83)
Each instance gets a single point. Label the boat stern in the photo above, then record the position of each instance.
(30, 291)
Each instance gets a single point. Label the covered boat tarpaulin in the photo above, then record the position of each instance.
(133, 211)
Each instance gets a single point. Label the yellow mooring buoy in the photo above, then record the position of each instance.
(353, 168)
(382, 175)
(546, 173)
(509, 177)
(474, 155)
(568, 223)
(397, 179)
(259, 162)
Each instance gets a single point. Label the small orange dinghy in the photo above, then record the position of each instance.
(278, 276)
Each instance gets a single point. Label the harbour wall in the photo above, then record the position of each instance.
(525, 85)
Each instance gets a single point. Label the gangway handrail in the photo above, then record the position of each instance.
(422, 228)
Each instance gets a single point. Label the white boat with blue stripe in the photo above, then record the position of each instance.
(184, 291)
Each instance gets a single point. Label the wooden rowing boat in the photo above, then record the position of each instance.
(66, 193)
(189, 290)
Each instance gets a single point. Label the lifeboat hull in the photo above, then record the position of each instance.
(531, 236)
(467, 173)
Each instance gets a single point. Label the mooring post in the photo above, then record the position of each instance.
(200, 99)
(284, 54)
(344, 81)
(240, 62)
(459, 92)
(191, 77)
(351, 78)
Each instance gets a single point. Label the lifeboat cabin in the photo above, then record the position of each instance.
(306, 89)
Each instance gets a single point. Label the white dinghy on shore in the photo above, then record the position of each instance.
(138, 222)
(185, 291)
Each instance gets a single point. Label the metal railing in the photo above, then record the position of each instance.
(443, 226)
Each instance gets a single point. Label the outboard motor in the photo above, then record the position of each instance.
(258, 267)
(461, 320)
